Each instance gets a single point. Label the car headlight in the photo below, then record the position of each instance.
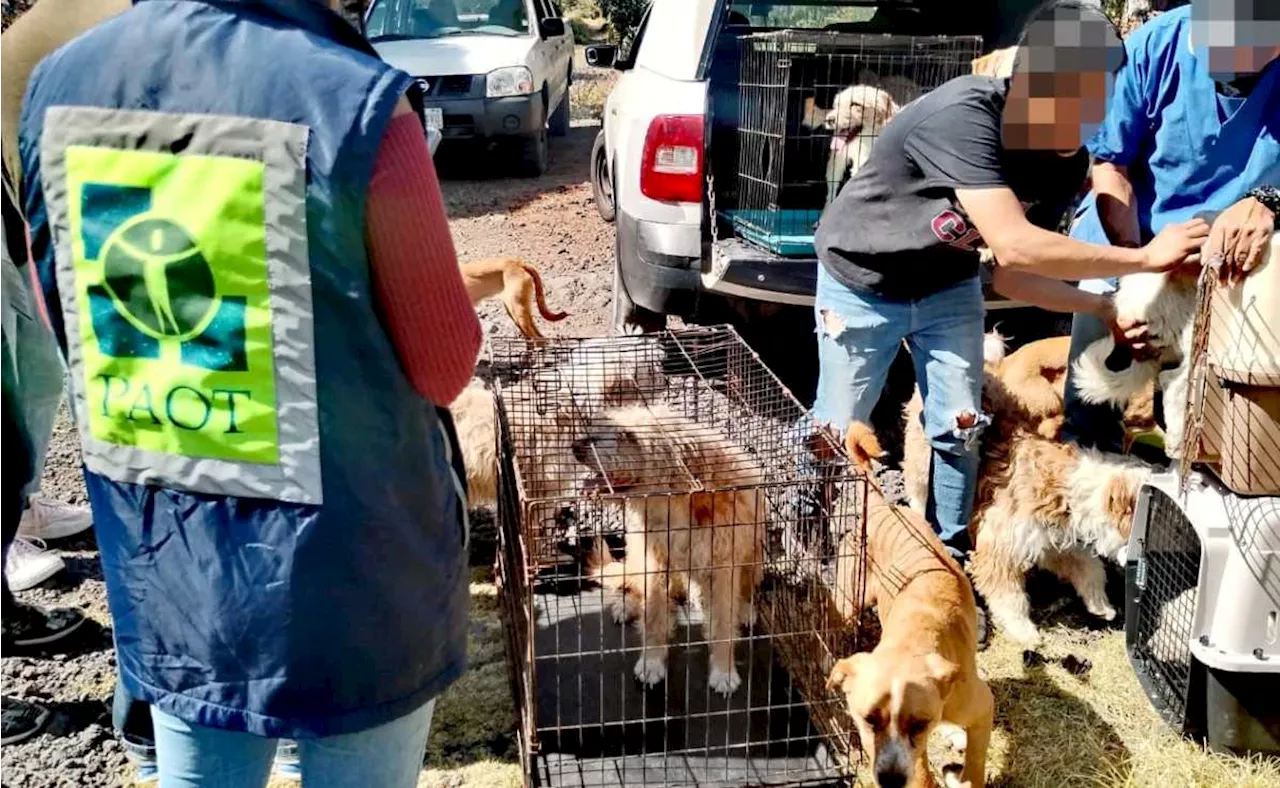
(510, 81)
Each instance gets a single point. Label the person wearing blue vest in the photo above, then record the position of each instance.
(1193, 126)
(275, 487)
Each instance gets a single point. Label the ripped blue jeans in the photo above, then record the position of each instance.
(858, 336)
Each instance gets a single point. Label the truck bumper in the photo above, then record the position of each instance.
(490, 118)
(660, 263)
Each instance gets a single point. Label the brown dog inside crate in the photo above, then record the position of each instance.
(711, 539)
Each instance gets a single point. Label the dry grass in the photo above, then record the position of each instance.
(1053, 729)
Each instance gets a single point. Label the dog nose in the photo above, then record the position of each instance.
(891, 779)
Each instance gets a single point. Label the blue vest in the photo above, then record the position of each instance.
(282, 536)
(1188, 149)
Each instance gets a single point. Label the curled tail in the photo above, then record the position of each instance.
(863, 445)
(1098, 384)
(546, 312)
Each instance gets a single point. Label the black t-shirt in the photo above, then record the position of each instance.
(896, 228)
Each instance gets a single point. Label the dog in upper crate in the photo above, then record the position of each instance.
(691, 516)
(923, 672)
(519, 285)
(858, 115)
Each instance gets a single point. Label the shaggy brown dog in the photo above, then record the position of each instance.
(924, 670)
(712, 537)
(519, 284)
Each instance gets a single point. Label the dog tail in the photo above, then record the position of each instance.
(993, 347)
(547, 314)
(1099, 385)
(863, 445)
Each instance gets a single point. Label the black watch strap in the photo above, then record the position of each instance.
(1269, 196)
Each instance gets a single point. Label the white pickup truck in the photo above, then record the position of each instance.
(494, 71)
(669, 147)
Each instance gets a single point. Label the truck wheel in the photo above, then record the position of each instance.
(533, 154)
(601, 182)
(559, 121)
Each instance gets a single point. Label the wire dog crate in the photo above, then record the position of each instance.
(670, 523)
(1202, 616)
(808, 113)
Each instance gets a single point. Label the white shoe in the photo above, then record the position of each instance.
(30, 564)
(48, 519)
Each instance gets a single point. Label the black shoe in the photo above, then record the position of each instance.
(21, 719)
(27, 625)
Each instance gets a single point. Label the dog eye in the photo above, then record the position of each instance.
(875, 721)
(917, 728)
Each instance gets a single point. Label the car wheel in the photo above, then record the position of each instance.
(601, 182)
(559, 122)
(628, 316)
(533, 154)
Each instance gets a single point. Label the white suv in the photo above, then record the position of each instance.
(670, 141)
(490, 70)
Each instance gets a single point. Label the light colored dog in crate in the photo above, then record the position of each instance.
(692, 517)
(857, 116)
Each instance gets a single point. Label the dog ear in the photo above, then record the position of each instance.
(1120, 499)
(863, 446)
(842, 671)
(943, 671)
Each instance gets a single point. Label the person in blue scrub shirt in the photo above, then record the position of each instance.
(1193, 127)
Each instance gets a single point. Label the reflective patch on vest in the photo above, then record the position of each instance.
(182, 264)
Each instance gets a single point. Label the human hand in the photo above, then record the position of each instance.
(1132, 334)
(1175, 245)
(1239, 238)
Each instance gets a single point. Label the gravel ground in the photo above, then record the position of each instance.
(550, 221)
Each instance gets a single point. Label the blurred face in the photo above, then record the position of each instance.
(1235, 38)
(1061, 83)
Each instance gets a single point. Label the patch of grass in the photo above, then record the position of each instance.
(483, 774)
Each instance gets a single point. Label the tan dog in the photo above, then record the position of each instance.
(712, 538)
(923, 671)
(860, 113)
(519, 285)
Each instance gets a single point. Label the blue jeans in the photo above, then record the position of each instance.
(388, 756)
(858, 336)
(1094, 426)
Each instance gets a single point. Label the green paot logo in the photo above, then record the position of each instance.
(174, 302)
(158, 279)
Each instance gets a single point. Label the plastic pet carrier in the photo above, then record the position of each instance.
(666, 505)
(802, 132)
(1202, 609)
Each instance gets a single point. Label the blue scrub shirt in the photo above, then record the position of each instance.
(1188, 149)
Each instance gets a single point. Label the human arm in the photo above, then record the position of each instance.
(1058, 296)
(414, 267)
(1020, 245)
(1117, 207)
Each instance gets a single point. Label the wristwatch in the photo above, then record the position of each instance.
(1269, 196)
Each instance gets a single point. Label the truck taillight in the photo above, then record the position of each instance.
(673, 154)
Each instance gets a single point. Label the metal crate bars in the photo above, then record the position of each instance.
(798, 141)
(671, 481)
(1168, 579)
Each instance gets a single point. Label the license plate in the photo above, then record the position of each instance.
(434, 118)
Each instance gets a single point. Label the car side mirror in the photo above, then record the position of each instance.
(551, 28)
(602, 55)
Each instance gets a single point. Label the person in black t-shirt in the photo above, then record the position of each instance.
(978, 161)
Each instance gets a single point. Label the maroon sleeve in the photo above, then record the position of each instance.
(416, 281)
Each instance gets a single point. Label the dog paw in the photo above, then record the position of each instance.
(748, 615)
(724, 682)
(1024, 633)
(651, 670)
(1105, 612)
(622, 610)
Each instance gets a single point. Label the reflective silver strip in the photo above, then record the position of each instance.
(282, 148)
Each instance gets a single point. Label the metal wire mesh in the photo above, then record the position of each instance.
(1255, 528)
(1169, 572)
(801, 133)
(668, 508)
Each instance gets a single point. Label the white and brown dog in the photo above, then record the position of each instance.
(712, 538)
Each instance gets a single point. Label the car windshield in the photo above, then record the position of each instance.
(391, 20)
